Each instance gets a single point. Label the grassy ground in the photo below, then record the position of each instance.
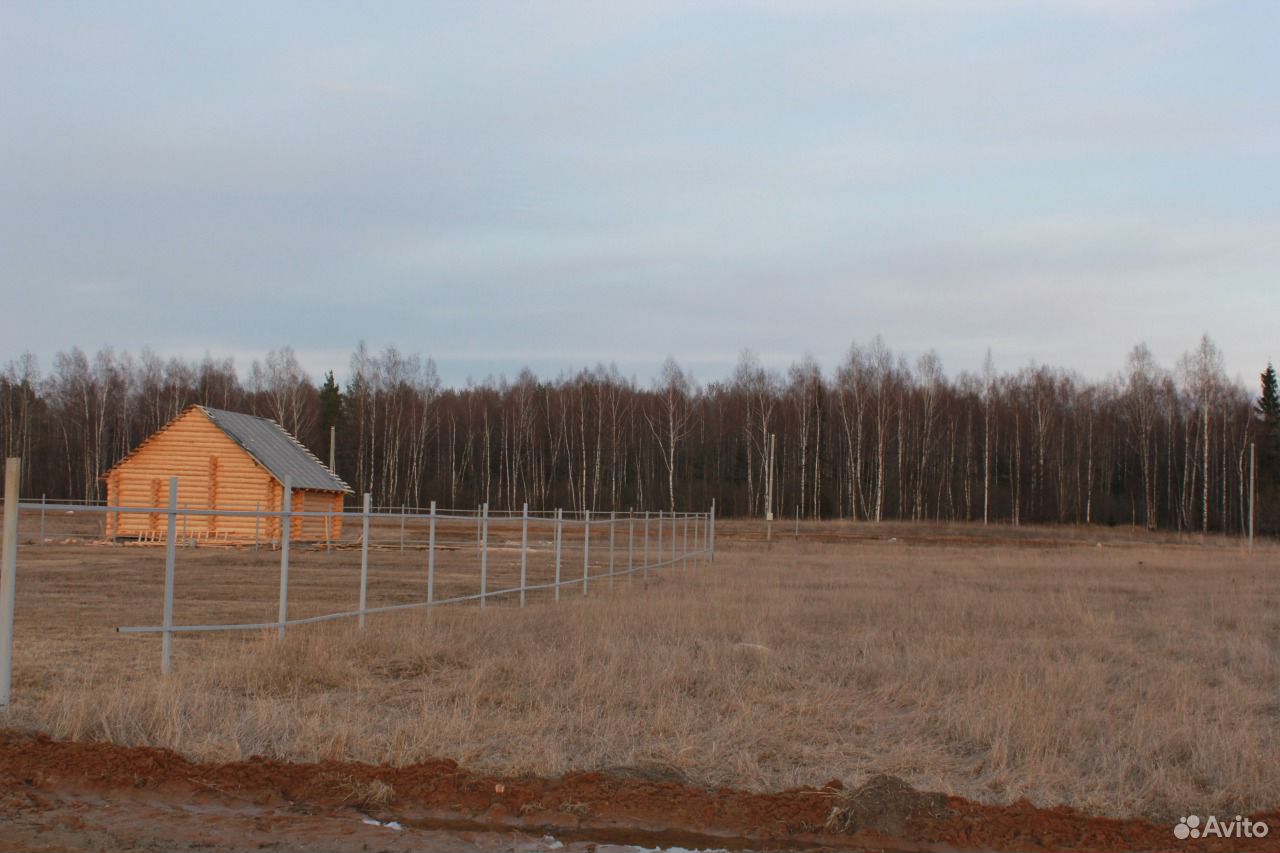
(1116, 672)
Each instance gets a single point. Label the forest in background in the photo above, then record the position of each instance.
(880, 437)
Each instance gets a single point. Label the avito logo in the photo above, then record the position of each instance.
(1241, 827)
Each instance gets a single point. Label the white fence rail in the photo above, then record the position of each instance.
(613, 545)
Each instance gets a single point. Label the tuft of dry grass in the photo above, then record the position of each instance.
(883, 803)
(1136, 678)
(366, 795)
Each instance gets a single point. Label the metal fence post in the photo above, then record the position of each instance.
(42, 500)
(631, 543)
(170, 558)
(644, 562)
(364, 554)
(286, 533)
(431, 556)
(559, 524)
(711, 529)
(675, 537)
(401, 528)
(612, 518)
(8, 573)
(524, 551)
(659, 563)
(484, 553)
(1253, 478)
(586, 548)
(684, 550)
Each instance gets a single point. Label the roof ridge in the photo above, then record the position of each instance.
(208, 410)
(304, 449)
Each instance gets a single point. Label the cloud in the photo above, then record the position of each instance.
(348, 89)
(1107, 9)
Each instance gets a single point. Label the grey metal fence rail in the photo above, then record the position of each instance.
(680, 538)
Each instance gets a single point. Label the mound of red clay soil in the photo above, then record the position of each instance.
(58, 795)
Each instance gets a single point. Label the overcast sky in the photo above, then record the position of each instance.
(557, 184)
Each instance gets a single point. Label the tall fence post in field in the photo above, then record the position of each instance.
(170, 558)
(706, 537)
(431, 556)
(631, 543)
(1253, 479)
(659, 563)
(586, 548)
(644, 562)
(524, 551)
(402, 511)
(711, 529)
(42, 500)
(684, 550)
(364, 554)
(8, 573)
(612, 518)
(674, 537)
(484, 553)
(286, 533)
(559, 523)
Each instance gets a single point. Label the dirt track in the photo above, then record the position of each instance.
(71, 796)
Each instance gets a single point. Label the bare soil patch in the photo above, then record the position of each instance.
(100, 796)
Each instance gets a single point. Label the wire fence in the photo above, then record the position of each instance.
(422, 557)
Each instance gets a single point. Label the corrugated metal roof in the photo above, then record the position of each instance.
(277, 450)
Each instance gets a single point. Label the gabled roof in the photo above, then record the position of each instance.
(268, 443)
(276, 450)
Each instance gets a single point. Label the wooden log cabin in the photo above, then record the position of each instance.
(223, 460)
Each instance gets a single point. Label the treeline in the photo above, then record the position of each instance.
(880, 437)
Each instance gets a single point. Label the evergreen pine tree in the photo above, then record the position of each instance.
(331, 412)
(330, 403)
(1267, 411)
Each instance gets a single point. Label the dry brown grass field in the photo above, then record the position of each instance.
(1114, 671)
